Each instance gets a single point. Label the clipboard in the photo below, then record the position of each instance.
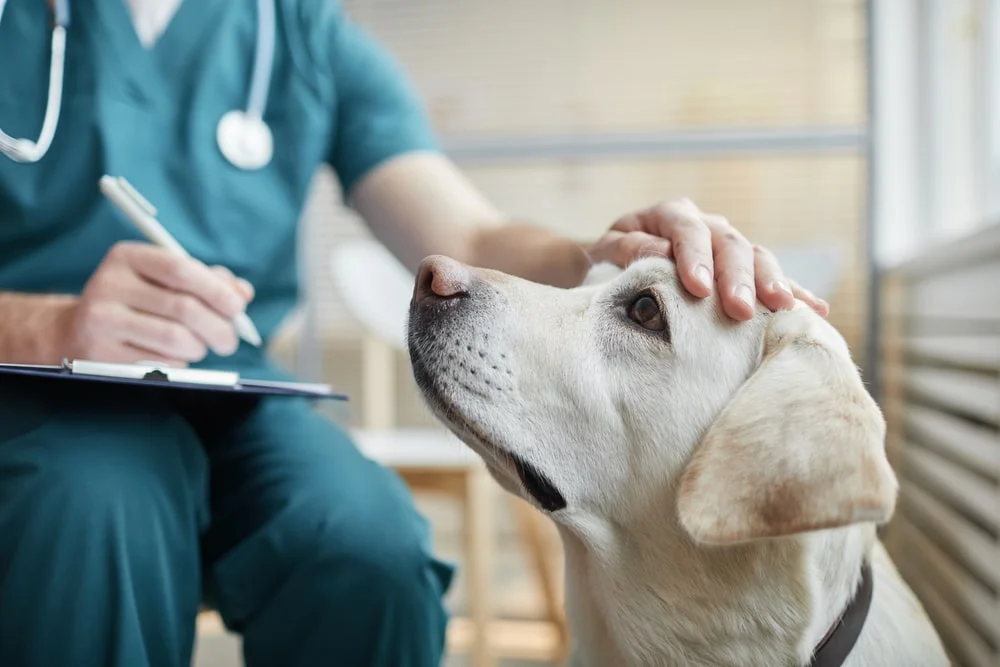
(152, 375)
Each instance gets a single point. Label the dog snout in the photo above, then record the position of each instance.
(441, 278)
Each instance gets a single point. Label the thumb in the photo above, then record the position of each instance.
(603, 250)
(623, 248)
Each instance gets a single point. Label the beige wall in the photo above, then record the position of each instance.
(555, 65)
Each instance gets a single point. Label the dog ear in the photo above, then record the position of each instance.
(800, 447)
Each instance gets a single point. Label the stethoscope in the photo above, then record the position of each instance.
(243, 137)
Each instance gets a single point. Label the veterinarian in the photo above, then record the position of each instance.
(120, 512)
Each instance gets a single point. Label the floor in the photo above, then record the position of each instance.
(515, 595)
(223, 651)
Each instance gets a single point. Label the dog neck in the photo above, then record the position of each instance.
(647, 595)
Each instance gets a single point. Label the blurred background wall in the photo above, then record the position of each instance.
(572, 112)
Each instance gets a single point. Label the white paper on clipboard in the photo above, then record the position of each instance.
(143, 370)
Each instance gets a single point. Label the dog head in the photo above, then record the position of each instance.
(610, 399)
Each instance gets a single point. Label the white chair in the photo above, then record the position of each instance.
(815, 266)
(376, 288)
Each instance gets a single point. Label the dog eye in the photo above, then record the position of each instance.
(645, 312)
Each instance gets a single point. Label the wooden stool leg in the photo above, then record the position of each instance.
(529, 522)
(479, 552)
(378, 383)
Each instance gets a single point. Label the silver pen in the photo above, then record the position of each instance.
(142, 214)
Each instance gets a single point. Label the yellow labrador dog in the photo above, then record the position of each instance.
(716, 484)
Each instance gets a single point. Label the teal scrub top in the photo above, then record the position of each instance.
(150, 115)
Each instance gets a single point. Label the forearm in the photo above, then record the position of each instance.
(529, 252)
(420, 205)
(29, 327)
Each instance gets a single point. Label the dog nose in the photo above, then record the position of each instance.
(441, 277)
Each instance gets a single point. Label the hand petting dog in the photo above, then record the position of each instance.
(704, 245)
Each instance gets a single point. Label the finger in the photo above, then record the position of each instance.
(636, 245)
(215, 331)
(162, 337)
(123, 353)
(735, 267)
(629, 223)
(131, 354)
(116, 352)
(243, 286)
(810, 299)
(773, 289)
(621, 248)
(603, 249)
(184, 274)
(691, 243)
(126, 287)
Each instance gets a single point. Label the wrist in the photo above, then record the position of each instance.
(61, 313)
(35, 327)
(46, 327)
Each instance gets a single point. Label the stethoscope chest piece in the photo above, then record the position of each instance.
(245, 140)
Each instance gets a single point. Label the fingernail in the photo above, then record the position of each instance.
(783, 286)
(744, 294)
(704, 276)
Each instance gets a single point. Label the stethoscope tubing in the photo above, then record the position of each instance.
(263, 59)
(24, 150)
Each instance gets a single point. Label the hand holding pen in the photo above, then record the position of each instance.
(151, 302)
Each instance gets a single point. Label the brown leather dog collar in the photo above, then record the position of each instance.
(843, 634)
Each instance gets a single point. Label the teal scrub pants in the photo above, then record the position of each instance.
(121, 510)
